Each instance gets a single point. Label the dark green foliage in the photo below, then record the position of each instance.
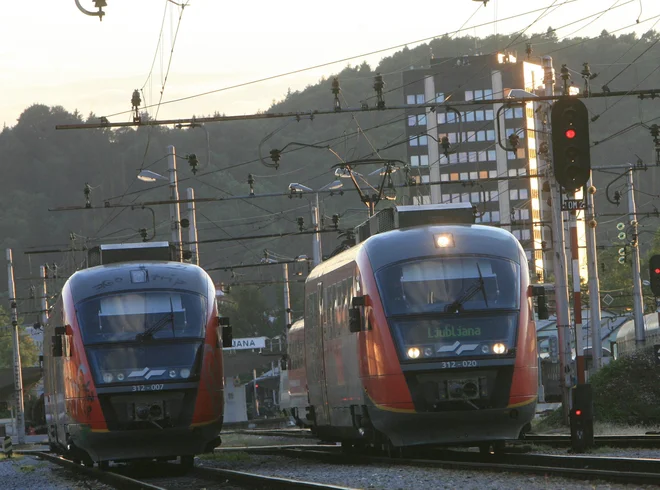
(628, 390)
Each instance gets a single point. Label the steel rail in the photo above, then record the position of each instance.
(108, 477)
(620, 441)
(623, 470)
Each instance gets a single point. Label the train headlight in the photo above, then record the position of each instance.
(443, 241)
(107, 378)
(414, 352)
(499, 348)
(172, 373)
(185, 373)
(428, 352)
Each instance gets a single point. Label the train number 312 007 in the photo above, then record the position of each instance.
(156, 387)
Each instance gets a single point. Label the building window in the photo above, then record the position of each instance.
(443, 160)
(425, 179)
(424, 160)
(516, 233)
(452, 138)
(526, 235)
(518, 112)
(512, 172)
(478, 95)
(479, 115)
(513, 194)
(474, 175)
(469, 95)
(451, 117)
(490, 115)
(492, 156)
(510, 155)
(464, 176)
(481, 135)
(486, 217)
(472, 156)
(492, 174)
(414, 161)
(483, 174)
(524, 214)
(488, 94)
(418, 140)
(508, 113)
(469, 116)
(471, 137)
(490, 135)
(453, 176)
(420, 98)
(482, 156)
(520, 153)
(494, 196)
(421, 119)
(495, 216)
(439, 97)
(462, 157)
(441, 118)
(444, 177)
(475, 197)
(410, 99)
(455, 198)
(453, 158)
(412, 120)
(523, 194)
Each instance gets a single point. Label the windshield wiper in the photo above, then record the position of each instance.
(479, 285)
(167, 319)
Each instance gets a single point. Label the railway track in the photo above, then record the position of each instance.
(621, 470)
(618, 441)
(227, 479)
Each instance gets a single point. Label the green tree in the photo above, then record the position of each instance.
(248, 312)
(29, 352)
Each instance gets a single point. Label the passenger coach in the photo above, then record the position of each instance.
(422, 334)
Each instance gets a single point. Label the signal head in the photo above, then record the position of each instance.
(570, 141)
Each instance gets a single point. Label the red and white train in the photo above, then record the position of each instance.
(133, 362)
(420, 335)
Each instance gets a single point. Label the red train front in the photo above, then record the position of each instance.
(422, 335)
(133, 364)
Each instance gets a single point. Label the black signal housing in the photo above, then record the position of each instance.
(570, 143)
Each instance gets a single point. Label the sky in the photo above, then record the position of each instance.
(53, 54)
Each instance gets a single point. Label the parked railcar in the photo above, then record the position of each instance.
(422, 336)
(625, 337)
(296, 400)
(133, 364)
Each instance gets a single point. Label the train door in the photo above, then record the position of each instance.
(323, 417)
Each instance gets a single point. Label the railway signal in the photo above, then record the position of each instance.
(582, 419)
(654, 274)
(570, 143)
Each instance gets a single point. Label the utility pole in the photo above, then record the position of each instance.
(192, 226)
(175, 216)
(580, 367)
(563, 312)
(317, 252)
(432, 140)
(44, 298)
(287, 299)
(594, 287)
(638, 300)
(18, 375)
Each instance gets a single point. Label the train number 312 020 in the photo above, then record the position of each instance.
(458, 364)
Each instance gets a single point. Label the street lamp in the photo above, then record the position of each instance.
(298, 189)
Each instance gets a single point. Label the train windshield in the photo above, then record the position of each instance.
(452, 285)
(142, 316)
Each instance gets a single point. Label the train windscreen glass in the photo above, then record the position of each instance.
(452, 307)
(142, 316)
(449, 285)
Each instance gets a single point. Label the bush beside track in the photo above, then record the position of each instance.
(626, 392)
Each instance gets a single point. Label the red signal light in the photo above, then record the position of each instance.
(657, 271)
(578, 413)
(570, 134)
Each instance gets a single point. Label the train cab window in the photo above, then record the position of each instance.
(142, 316)
(457, 283)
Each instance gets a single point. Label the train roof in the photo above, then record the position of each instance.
(627, 330)
(408, 243)
(119, 277)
